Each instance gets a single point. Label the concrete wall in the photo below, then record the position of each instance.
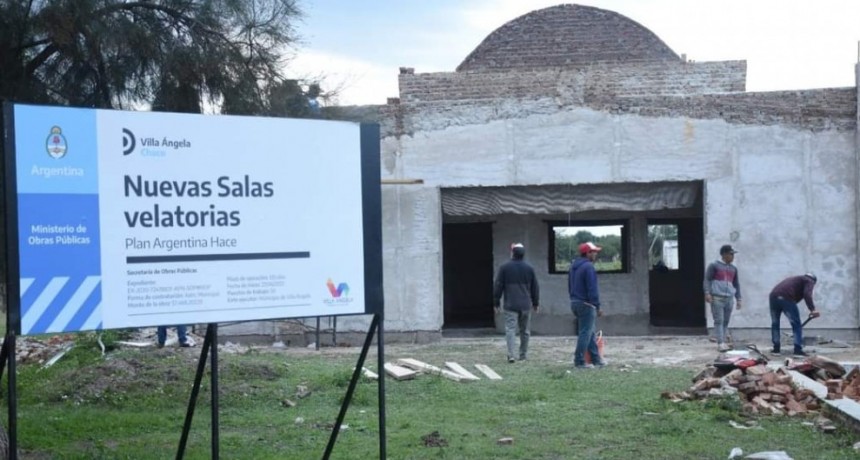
(780, 174)
(784, 194)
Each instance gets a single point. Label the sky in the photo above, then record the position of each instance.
(358, 46)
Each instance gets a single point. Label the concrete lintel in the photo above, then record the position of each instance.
(845, 409)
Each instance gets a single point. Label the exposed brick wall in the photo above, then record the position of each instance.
(566, 35)
(577, 84)
(439, 100)
(816, 110)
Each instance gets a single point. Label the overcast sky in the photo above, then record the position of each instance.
(359, 45)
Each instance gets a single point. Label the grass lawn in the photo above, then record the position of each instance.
(132, 402)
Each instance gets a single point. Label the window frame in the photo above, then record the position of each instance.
(625, 237)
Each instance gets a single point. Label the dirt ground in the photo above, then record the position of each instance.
(687, 351)
(678, 351)
(691, 352)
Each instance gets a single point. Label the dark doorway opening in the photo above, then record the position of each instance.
(676, 256)
(467, 270)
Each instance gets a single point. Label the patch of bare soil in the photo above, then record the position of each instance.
(434, 439)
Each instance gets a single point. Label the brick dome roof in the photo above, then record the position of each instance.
(567, 35)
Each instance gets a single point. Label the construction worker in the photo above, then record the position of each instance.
(516, 281)
(722, 287)
(784, 299)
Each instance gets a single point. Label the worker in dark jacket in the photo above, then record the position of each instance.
(784, 299)
(516, 281)
(585, 304)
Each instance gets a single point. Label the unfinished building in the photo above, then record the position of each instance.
(575, 118)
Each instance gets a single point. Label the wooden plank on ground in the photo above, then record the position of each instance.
(491, 374)
(461, 370)
(429, 368)
(369, 373)
(398, 372)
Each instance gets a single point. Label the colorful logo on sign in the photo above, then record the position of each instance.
(342, 289)
(56, 143)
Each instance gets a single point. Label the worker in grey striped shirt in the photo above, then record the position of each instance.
(722, 288)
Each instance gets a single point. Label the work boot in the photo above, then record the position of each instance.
(722, 347)
(800, 353)
(511, 359)
(775, 351)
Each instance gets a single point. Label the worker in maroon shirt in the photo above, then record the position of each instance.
(783, 299)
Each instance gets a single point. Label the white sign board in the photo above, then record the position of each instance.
(128, 219)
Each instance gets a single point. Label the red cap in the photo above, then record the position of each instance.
(588, 246)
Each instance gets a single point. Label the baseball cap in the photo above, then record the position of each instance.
(726, 249)
(811, 276)
(518, 248)
(588, 246)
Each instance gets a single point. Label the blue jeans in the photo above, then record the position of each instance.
(779, 306)
(517, 322)
(721, 309)
(161, 333)
(586, 315)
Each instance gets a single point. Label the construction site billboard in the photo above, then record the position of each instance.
(121, 219)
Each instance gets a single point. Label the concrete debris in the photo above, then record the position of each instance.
(423, 367)
(770, 455)
(127, 343)
(409, 368)
(735, 453)
(398, 372)
(101, 344)
(302, 391)
(753, 426)
(369, 373)
(505, 441)
(825, 425)
(831, 374)
(488, 372)
(59, 355)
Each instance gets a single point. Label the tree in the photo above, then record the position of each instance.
(174, 55)
(170, 55)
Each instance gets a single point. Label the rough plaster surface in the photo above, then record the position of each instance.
(412, 257)
(785, 196)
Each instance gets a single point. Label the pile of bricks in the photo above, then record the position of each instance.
(848, 386)
(760, 389)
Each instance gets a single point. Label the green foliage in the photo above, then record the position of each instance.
(567, 248)
(657, 234)
(174, 55)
